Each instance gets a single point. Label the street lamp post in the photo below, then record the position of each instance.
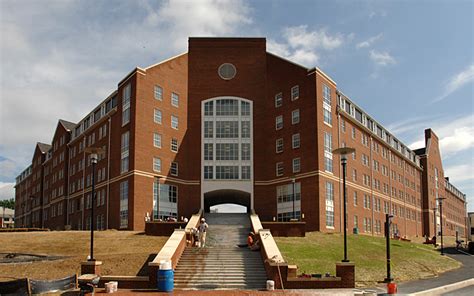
(388, 218)
(440, 201)
(343, 153)
(94, 153)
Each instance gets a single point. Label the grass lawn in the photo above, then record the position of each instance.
(318, 253)
(122, 252)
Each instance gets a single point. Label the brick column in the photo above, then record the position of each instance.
(91, 267)
(346, 271)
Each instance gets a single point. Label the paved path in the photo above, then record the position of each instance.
(450, 277)
(326, 292)
(467, 291)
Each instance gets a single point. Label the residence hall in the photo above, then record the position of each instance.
(229, 122)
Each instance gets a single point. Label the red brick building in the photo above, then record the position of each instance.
(228, 122)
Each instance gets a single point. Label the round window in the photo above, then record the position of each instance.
(227, 71)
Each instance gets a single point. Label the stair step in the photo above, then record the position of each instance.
(214, 281)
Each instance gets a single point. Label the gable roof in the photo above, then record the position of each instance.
(67, 124)
(44, 148)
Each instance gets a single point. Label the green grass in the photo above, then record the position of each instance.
(318, 253)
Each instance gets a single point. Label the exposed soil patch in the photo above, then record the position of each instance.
(6, 258)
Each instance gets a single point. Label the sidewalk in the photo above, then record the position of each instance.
(450, 277)
(322, 292)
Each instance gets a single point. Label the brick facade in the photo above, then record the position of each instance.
(383, 175)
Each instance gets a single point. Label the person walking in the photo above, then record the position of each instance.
(202, 232)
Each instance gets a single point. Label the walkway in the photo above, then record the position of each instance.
(450, 277)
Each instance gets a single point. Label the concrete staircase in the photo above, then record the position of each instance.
(221, 264)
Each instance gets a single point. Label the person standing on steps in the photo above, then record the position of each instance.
(202, 232)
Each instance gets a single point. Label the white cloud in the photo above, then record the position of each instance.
(7, 191)
(456, 82)
(305, 46)
(454, 135)
(50, 72)
(369, 42)
(300, 37)
(181, 19)
(8, 168)
(382, 58)
(460, 173)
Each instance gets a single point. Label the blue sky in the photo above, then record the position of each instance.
(409, 64)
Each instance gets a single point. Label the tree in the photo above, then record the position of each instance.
(8, 203)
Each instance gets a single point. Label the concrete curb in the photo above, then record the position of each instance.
(446, 288)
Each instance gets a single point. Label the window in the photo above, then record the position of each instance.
(328, 152)
(295, 139)
(295, 92)
(355, 198)
(124, 152)
(124, 204)
(157, 116)
(174, 145)
(279, 145)
(208, 151)
(245, 151)
(356, 221)
(227, 107)
(126, 95)
(327, 142)
(327, 116)
(227, 129)
(158, 93)
(245, 108)
(245, 172)
(125, 116)
(343, 125)
(278, 100)
(227, 151)
(365, 160)
(208, 108)
(279, 122)
(208, 129)
(157, 140)
(329, 205)
(227, 172)
(279, 169)
(353, 132)
(174, 122)
(289, 199)
(208, 172)
(295, 116)
(165, 198)
(245, 129)
(174, 169)
(174, 99)
(366, 201)
(326, 95)
(156, 164)
(296, 165)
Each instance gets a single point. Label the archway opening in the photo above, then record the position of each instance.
(228, 208)
(227, 201)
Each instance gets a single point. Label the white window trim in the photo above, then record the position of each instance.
(276, 169)
(276, 145)
(295, 120)
(291, 93)
(276, 122)
(174, 105)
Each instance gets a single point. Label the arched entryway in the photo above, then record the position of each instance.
(226, 196)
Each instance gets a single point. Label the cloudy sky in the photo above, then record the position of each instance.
(409, 64)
